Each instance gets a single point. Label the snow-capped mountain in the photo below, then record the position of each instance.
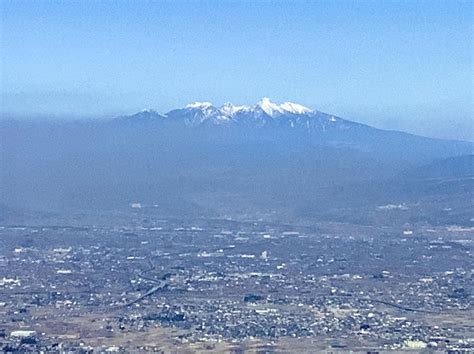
(229, 112)
(262, 114)
(287, 123)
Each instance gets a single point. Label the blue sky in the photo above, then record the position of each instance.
(393, 64)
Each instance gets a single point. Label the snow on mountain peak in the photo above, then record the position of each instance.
(294, 108)
(270, 108)
(230, 109)
(202, 105)
(273, 109)
(260, 113)
(265, 104)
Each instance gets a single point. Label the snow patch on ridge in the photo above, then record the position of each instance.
(270, 108)
(294, 108)
(203, 105)
(229, 109)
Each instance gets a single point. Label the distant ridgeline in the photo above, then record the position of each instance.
(207, 159)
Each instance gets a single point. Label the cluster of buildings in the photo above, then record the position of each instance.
(225, 281)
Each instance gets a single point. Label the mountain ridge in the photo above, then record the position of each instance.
(295, 124)
(263, 113)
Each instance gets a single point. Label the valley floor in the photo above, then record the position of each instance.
(149, 283)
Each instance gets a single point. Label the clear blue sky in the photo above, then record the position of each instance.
(402, 64)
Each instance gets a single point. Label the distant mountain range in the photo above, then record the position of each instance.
(293, 125)
(229, 159)
(265, 113)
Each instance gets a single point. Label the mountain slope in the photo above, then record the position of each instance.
(453, 167)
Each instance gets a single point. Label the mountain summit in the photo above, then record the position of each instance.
(263, 113)
(273, 109)
(205, 112)
(265, 105)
